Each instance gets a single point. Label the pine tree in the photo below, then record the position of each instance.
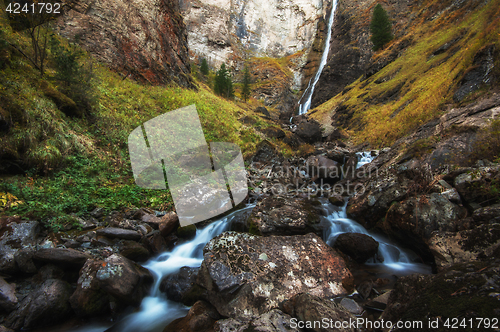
(204, 67)
(380, 28)
(223, 84)
(245, 90)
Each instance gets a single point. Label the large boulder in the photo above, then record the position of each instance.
(359, 247)
(320, 167)
(286, 216)
(124, 279)
(463, 291)
(46, 305)
(63, 257)
(89, 299)
(308, 309)
(309, 131)
(475, 185)
(479, 243)
(180, 287)
(413, 220)
(246, 276)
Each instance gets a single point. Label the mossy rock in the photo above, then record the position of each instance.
(186, 232)
(336, 200)
(63, 102)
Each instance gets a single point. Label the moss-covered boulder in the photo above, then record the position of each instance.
(63, 102)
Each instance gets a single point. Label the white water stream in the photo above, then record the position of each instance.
(306, 104)
(156, 311)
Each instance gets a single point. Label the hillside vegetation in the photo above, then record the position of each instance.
(56, 163)
(420, 72)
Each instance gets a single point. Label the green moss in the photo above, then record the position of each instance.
(186, 232)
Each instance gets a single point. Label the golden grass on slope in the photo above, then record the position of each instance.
(426, 82)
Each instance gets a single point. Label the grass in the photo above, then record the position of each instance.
(62, 167)
(426, 82)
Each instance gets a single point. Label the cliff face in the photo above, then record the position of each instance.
(225, 31)
(144, 39)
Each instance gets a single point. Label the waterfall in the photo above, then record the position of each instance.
(304, 107)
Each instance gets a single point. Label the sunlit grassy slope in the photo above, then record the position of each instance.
(70, 165)
(421, 82)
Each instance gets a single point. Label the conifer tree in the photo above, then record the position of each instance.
(380, 28)
(245, 90)
(204, 67)
(223, 84)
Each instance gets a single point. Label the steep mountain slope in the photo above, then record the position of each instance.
(449, 50)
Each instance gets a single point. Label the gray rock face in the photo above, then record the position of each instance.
(143, 39)
(246, 276)
(177, 286)
(125, 280)
(47, 305)
(471, 185)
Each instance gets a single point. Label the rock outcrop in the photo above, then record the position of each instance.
(142, 39)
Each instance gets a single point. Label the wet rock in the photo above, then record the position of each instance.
(89, 299)
(50, 271)
(246, 276)
(155, 242)
(351, 306)
(272, 321)
(123, 279)
(413, 220)
(186, 232)
(47, 305)
(479, 243)
(309, 131)
(8, 299)
(169, 222)
(134, 251)
(200, 318)
(379, 191)
(359, 247)
(286, 216)
(365, 288)
(61, 256)
(463, 290)
(320, 167)
(309, 309)
(179, 287)
(119, 233)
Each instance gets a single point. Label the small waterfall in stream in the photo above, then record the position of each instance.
(156, 311)
(306, 104)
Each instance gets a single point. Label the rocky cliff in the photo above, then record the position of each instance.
(143, 39)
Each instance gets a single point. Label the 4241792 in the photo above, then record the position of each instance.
(34, 8)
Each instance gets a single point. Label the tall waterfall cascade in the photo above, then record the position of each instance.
(305, 101)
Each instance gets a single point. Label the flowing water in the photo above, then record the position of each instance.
(307, 96)
(156, 311)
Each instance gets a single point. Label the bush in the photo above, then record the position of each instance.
(74, 76)
(380, 28)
